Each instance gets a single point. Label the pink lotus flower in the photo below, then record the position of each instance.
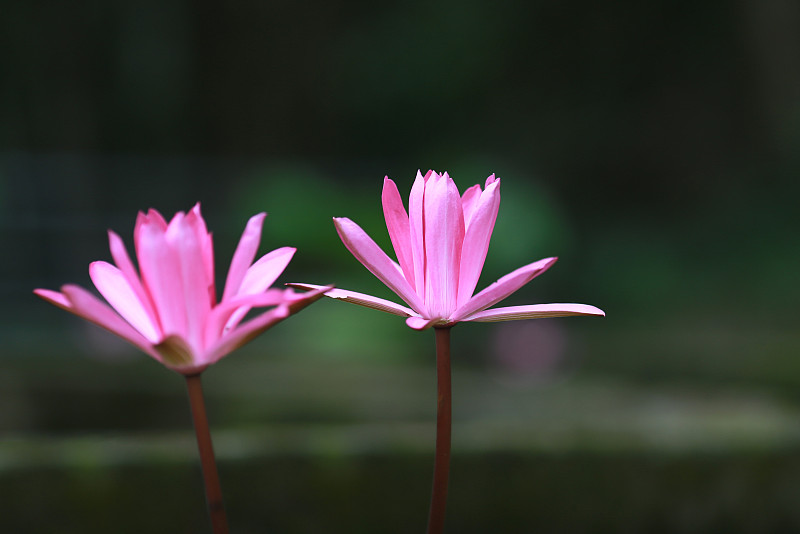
(171, 311)
(441, 247)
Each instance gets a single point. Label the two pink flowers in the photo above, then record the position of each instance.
(169, 308)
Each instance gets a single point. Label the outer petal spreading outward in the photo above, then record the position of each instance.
(170, 310)
(441, 244)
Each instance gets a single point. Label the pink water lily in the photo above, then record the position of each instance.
(441, 245)
(170, 311)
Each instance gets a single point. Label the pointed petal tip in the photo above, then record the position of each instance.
(388, 183)
(152, 216)
(545, 263)
(314, 290)
(53, 297)
(585, 309)
(298, 285)
(255, 223)
(278, 253)
(307, 298)
(310, 287)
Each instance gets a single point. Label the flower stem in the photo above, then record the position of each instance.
(216, 508)
(441, 464)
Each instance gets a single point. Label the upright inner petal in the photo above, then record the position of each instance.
(399, 229)
(476, 240)
(185, 236)
(444, 236)
(468, 202)
(161, 276)
(416, 226)
(207, 247)
(244, 255)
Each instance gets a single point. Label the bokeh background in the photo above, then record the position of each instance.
(652, 146)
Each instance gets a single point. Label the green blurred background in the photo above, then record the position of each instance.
(652, 146)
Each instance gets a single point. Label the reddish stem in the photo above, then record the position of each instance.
(216, 508)
(441, 464)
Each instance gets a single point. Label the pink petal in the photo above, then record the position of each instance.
(468, 202)
(398, 226)
(416, 228)
(153, 217)
(444, 236)
(114, 286)
(86, 305)
(502, 288)
(244, 255)
(420, 323)
(534, 311)
(260, 276)
(376, 260)
(54, 297)
(185, 237)
(361, 299)
(476, 241)
(263, 273)
(124, 263)
(207, 247)
(161, 274)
